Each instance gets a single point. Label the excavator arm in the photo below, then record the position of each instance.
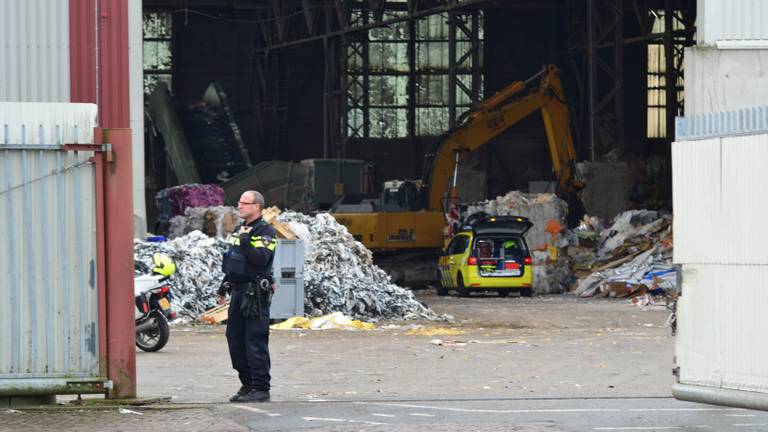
(494, 116)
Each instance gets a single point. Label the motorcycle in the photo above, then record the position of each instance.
(153, 305)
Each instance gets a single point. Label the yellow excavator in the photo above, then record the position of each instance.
(421, 223)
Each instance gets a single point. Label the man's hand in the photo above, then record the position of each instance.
(245, 229)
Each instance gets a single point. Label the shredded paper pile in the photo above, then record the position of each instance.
(198, 269)
(339, 274)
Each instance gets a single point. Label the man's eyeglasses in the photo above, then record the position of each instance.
(246, 203)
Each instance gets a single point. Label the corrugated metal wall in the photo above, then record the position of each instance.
(721, 326)
(49, 309)
(34, 53)
(720, 235)
(719, 200)
(719, 20)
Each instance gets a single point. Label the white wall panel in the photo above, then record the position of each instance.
(47, 123)
(722, 321)
(34, 51)
(719, 201)
(731, 20)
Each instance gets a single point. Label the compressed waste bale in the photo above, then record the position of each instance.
(547, 212)
(218, 221)
(175, 200)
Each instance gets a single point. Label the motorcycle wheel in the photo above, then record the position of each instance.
(155, 338)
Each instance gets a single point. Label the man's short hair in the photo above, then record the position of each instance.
(257, 197)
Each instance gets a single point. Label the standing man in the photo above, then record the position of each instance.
(247, 271)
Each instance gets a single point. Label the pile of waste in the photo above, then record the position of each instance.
(173, 201)
(339, 274)
(631, 258)
(198, 269)
(217, 221)
(546, 239)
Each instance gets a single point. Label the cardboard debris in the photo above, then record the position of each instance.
(215, 315)
(633, 257)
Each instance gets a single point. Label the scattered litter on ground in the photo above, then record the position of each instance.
(434, 331)
(127, 411)
(448, 343)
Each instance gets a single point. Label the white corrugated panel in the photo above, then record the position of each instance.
(721, 327)
(48, 280)
(719, 200)
(34, 51)
(731, 20)
(47, 123)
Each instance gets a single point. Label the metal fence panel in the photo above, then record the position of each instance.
(48, 280)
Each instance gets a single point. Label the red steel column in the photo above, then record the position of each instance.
(99, 74)
(118, 216)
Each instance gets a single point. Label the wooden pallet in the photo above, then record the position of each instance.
(216, 315)
(270, 215)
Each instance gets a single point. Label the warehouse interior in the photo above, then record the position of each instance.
(381, 81)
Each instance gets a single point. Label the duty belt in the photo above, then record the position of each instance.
(261, 284)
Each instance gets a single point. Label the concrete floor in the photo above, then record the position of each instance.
(555, 346)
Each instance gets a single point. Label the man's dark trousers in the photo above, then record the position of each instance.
(248, 340)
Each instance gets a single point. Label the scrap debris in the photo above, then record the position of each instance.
(339, 274)
(174, 201)
(631, 258)
(198, 269)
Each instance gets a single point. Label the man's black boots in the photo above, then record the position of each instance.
(243, 390)
(254, 396)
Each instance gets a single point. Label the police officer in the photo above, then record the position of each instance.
(247, 268)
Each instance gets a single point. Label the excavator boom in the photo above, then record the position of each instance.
(494, 116)
(400, 230)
